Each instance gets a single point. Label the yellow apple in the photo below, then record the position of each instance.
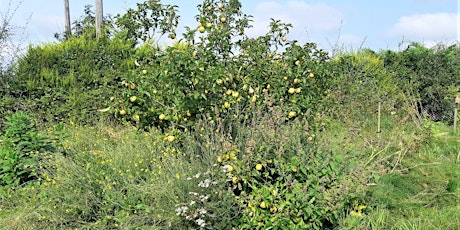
(263, 205)
(292, 114)
(132, 98)
(132, 86)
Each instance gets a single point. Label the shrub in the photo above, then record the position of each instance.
(22, 149)
(72, 80)
(431, 73)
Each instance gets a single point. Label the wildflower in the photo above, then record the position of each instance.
(202, 211)
(180, 211)
(205, 183)
(200, 222)
(203, 198)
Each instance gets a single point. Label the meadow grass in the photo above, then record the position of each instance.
(422, 193)
(112, 176)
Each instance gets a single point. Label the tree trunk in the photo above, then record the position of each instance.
(99, 14)
(67, 18)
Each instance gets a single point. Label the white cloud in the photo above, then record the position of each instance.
(305, 18)
(429, 27)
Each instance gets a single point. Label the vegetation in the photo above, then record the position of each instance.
(223, 131)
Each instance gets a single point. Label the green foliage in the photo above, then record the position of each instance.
(277, 174)
(432, 73)
(72, 80)
(361, 83)
(20, 150)
(150, 17)
(242, 132)
(203, 75)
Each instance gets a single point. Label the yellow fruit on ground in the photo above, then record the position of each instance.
(291, 90)
(296, 81)
(298, 90)
(273, 209)
(311, 75)
(162, 116)
(251, 90)
(132, 86)
(292, 114)
(219, 159)
(277, 57)
(226, 105)
(144, 71)
(297, 63)
(285, 78)
(132, 98)
(259, 167)
(235, 94)
(201, 29)
(223, 19)
(122, 112)
(263, 205)
(253, 99)
(229, 92)
(235, 180)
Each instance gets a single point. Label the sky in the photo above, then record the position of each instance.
(348, 24)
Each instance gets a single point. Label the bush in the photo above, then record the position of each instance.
(431, 73)
(21, 151)
(72, 80)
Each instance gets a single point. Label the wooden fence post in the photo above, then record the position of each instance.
(457, 102)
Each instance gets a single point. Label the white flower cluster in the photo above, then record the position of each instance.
(205, 183)
(200, 222)
(181, 211)
(194, 210)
